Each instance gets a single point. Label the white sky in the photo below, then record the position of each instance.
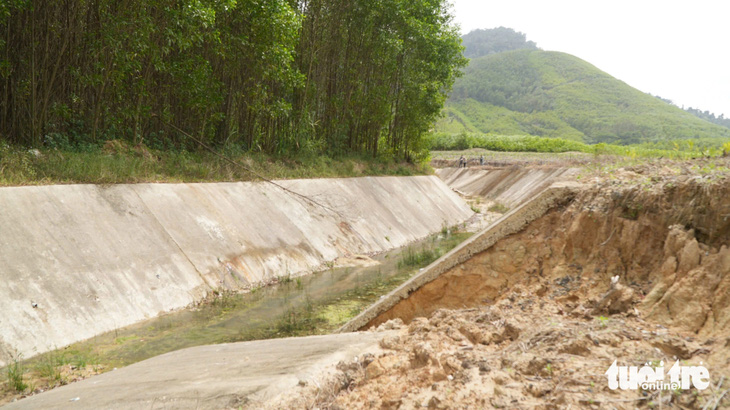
(677, 49)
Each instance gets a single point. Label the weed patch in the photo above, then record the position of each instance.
(499, 208)
(115, 164)
(15, 373)
(413, 257)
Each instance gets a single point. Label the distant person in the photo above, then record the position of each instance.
(481, 160)
(462, 162)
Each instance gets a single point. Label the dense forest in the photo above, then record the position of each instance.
(276, 76)
(483, 42)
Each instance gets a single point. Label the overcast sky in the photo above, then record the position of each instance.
(677, 49)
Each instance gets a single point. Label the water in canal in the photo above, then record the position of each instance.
(313, 304)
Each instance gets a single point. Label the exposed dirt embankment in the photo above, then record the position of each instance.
(636, 269)
(668, 243)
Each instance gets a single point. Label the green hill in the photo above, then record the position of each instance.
(552, 94)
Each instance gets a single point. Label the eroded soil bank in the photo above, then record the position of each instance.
(536, 320)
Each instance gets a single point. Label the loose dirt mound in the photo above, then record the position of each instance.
(635, 269)
(511, 355)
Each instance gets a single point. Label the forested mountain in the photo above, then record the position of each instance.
(554, 94)
(277, 76)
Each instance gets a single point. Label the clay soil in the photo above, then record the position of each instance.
(636, 268)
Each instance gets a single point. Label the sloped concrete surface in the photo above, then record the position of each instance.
(510, 186)
(211, 377)
(80, 260)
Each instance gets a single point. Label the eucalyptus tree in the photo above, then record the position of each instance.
(377, 72)
(99, 69)
(279, 76)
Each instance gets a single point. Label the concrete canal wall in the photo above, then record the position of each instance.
(80, 260)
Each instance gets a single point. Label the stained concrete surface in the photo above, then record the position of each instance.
(211, 377)
(80, 260)
(510, 186)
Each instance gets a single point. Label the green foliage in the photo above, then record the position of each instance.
(274, 76)
(473, 116)
(498, 208)
(15, 372)
(128, 164)
(16, 165)
(482, 42)
(421, 257)
(528, 143)
(521, 143)
(7, 6)
(708, 116)
(48, 366)
(551, 94)
(107, 67)
(298, 321)
(413, 54)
